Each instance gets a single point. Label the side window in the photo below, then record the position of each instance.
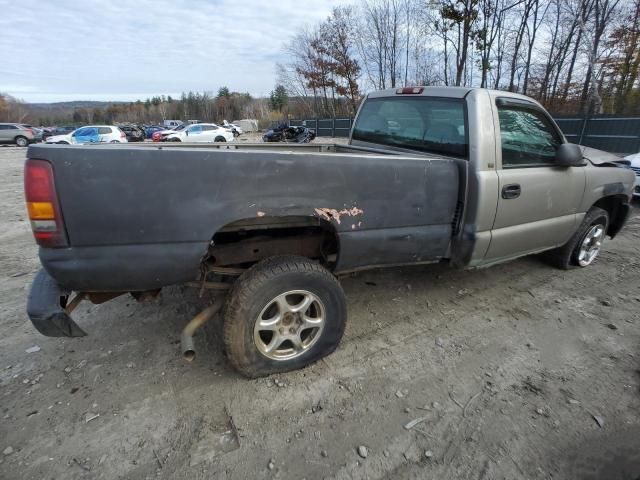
(104, 130)
(195, 129)
(208, 128)
(528, 138)
(4, 127)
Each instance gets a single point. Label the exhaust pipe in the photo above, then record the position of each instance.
(188, 349)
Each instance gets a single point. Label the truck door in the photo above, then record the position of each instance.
(538, 200)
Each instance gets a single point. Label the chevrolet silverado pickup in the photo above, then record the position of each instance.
(471, 177)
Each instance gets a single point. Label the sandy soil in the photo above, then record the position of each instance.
(517, 371)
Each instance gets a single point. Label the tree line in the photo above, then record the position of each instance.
(574, 56)
(201, 106)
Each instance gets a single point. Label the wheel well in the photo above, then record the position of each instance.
(617, 207)
(248, 241)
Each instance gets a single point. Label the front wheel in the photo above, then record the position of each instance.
(22, 141)
(584, 246)
(283, 313)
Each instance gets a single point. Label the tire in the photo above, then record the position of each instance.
(22, 141)
(253, 298)
(175, 140)
(220, 139)
(568, 256)
(114, 141)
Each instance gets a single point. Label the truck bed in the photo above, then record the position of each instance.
(142, 217)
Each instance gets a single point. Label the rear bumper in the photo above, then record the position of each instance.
(44, 307)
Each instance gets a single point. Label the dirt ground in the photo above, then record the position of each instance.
(518, 371)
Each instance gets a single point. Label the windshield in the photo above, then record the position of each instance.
(426, 124)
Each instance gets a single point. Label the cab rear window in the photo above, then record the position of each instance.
(432, 125)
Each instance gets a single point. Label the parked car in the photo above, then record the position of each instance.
(49, 132)
(16, 133)
(91, 134)
(201, 132)
(635, 166)
(470, 177)
(133, 133)
(172, 123)
(235, 129)
(161, 135)
(284, 133)
(149, 130)
(37, 132)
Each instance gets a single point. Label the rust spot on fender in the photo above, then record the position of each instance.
(333, 214)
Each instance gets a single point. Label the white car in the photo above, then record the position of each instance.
(201, 132)
(635, 166)
(234, 128)
(91, 134)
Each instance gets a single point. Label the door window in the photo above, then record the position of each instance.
(104, 130)
(195, 129)
(528, 139)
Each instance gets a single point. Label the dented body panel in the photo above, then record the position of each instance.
(143, 217)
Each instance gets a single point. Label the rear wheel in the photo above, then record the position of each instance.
(114, 141)
(22, 141)
(283, 314)
(584, 246)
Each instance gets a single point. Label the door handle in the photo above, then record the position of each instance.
(511, 191)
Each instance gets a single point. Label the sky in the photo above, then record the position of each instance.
(61, 50)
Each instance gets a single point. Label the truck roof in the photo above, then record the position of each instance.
(448, 92)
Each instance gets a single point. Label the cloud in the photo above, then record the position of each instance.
(107, 50)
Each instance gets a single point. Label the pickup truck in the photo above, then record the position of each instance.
(471, 177)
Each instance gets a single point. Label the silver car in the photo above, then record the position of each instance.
(16, 133)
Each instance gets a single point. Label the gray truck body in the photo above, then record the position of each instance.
(143, 217)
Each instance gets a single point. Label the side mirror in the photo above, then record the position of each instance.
(569, 155)
(186, 132)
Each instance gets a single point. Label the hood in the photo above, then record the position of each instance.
(600, 158)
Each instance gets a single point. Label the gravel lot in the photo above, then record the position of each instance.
(517, 371)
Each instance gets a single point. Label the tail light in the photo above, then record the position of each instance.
(42, 204)
(122, 134)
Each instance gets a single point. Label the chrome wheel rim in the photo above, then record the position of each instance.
(289, 325)
(591, 244)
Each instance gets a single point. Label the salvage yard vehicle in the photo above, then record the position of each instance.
(235, 129)
(470, 177)
(16, 134)
(285, 133)
(133, 133)
(90, 134)
(201, 133)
